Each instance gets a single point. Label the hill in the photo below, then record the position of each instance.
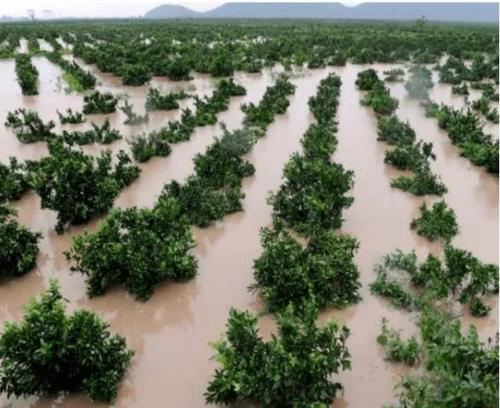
(452, 12)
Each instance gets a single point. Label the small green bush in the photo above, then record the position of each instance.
(49, 352)
(462, 372)
(98, 102)
(437, 223)
(313, 195)
(27, 74)
(324, 271)
(18, 245)
(15, 180)
(29, 127)
(292, 370)
(398, 350)
(70, 117)
(138, 248)
(79, 186)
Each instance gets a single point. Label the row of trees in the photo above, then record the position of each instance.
(156, 143)
(407, 153)
(138, 50)
(295, 279)
(30, 128)
(142, 248)
(27, 75)
(78, 78)
(465, 130)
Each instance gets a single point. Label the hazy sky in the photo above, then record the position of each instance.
(93, 8)
(99, 8)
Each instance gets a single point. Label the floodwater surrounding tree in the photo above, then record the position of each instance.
(171, 333)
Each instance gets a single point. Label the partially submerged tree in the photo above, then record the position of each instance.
(136, 248)
(50, 352)
(79, 186)
(293, 369)
(439, 222)
(18, 245)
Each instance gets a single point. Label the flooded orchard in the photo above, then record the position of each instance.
(172, 331)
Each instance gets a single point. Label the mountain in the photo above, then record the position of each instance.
(172, 11)
(452, 12)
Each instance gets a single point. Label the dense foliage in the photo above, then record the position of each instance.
(461, 371)
(408, 154)
(466, 132)
(78, 78)
(138, 48)
(15, 180)
(98, 102)
(156, 143)
(380, 100)
(214, 189)
(70, 117)
(103, 134)
(393, 131)
(439, 222)
(49, 352)
(138, 248)
(459, 276)
(79, 186)
(293, 369)
(313, 194)
(156, 101)
(18, 245)
(27, 74)
(323, 272)
(275, 101)
(29, 127)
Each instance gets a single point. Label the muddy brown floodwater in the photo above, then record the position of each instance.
(171, 332)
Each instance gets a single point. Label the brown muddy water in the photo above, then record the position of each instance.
(171, 332)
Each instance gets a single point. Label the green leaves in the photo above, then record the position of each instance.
(466, 132)
(137, 248)
(135, 74)
(49, 352)
(407, 155)
(394, 132)
(323, 272)
(78, 186)
(156, 143)
(398, 350)
(437, 223)
(98, 102)
(18, 245)
(312, 196)
(27, 74)
(461, 371)
(28, 126)
(15, 180)
(156, 101)
(293, 369)
(378, 96)
(82, 79)
(71, 117)
(214, 190)
(367, 79)
(275, 101)
(459, 276)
